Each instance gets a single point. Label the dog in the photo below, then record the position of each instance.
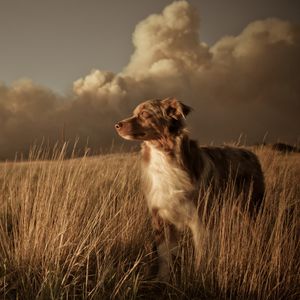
(175, 170)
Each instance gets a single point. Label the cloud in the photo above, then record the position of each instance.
(31, 114)
(168, 43)
(247, 83)
(27, 111)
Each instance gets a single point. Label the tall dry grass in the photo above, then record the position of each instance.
(79, 229)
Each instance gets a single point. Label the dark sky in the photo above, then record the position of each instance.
(56, 42)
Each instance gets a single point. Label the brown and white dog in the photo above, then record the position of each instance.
(175, 170)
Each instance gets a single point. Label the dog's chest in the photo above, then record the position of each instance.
(168, 186)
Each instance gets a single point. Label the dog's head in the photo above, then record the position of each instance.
(154, 119)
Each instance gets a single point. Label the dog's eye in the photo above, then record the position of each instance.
(145, 114)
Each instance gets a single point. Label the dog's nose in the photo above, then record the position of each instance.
(118, 125)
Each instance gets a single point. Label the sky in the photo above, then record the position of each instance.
(81, 66)
(55, 42)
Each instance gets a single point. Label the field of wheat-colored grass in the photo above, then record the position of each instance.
(79, 229)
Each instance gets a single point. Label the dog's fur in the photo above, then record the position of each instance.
(176, 170)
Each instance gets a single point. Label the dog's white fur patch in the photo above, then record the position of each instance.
(169, 189)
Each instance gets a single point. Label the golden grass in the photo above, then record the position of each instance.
(80, 229)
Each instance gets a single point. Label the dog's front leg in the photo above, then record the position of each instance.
(166, 240)
(199, 237)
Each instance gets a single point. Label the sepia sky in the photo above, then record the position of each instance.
(55, 42)
(80, 66)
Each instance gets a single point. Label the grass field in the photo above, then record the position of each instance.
(79, 229)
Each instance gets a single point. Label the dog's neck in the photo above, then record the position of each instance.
(179, 150)
(168, 144)
(173, 147)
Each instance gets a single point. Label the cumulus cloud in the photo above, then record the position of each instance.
(242, 84)
(247, 84)
(26, 112)
(168, 43)
(31, 115)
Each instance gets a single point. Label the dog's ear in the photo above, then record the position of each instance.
(175, 109)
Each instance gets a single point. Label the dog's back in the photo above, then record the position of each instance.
(236, 167)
